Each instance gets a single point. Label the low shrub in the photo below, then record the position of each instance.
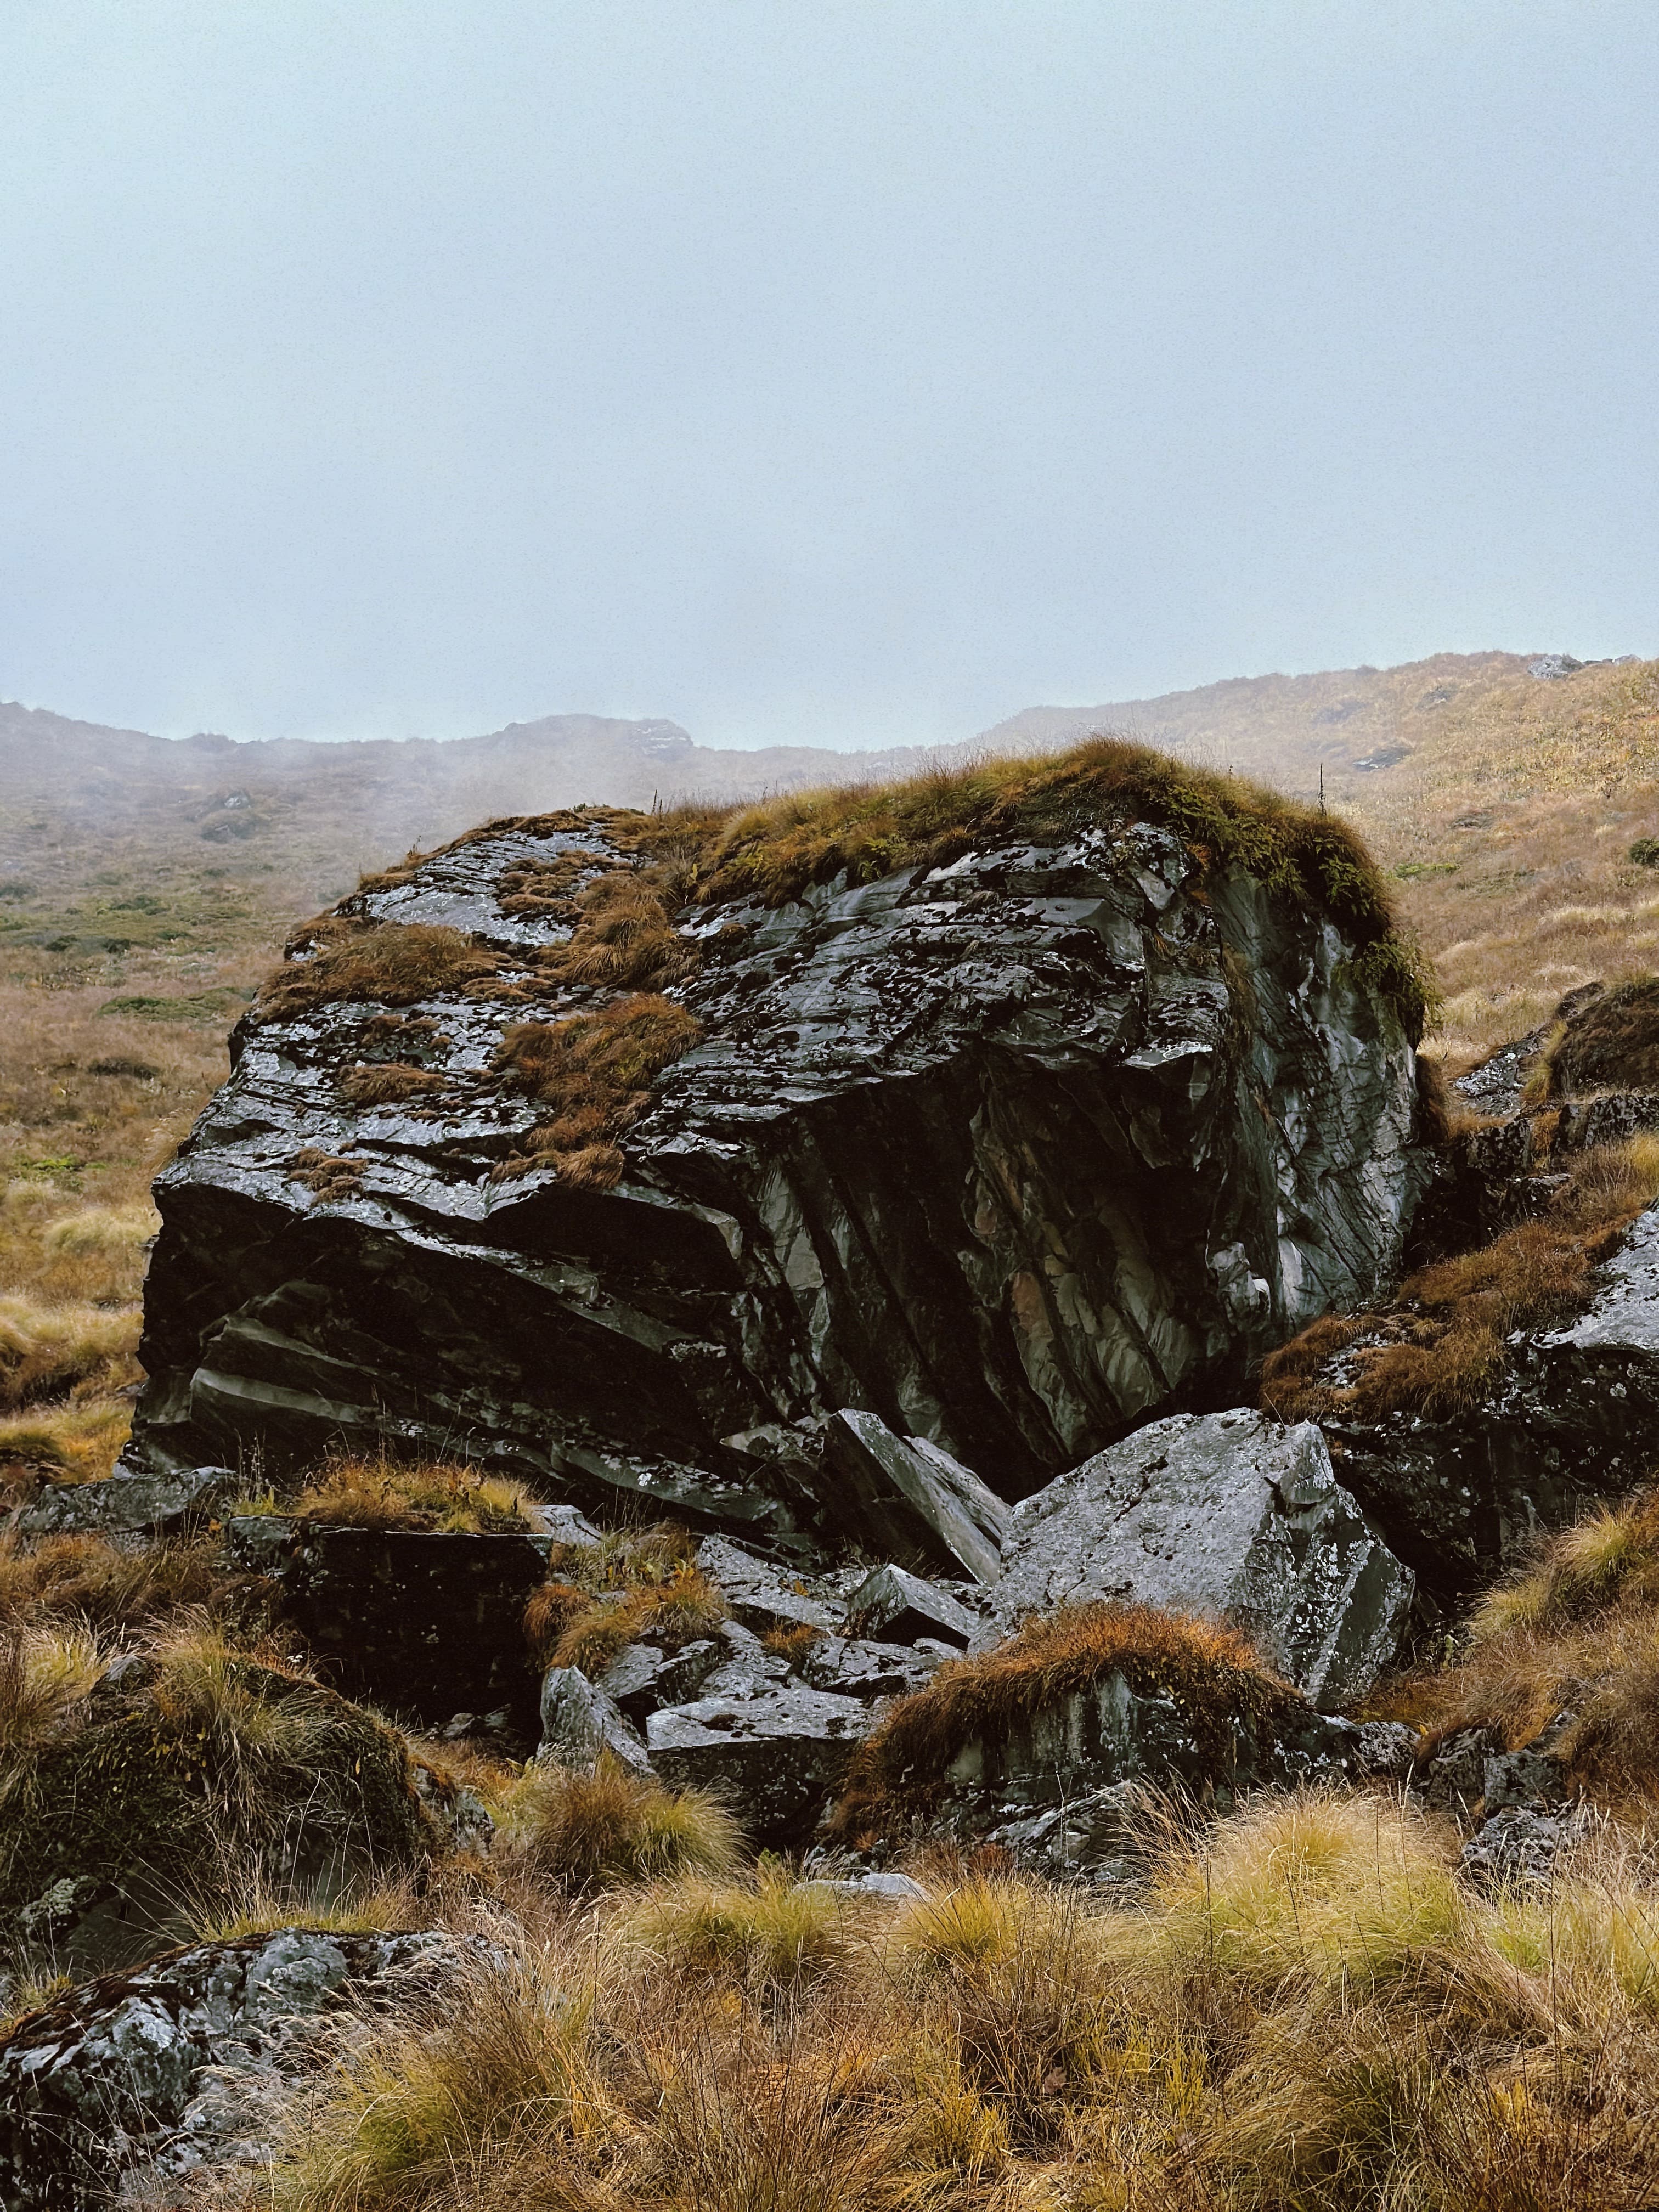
(589, 1831)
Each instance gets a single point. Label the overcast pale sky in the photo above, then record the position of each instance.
(837, 371)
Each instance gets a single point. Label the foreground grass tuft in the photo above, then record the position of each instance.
(598, 1830)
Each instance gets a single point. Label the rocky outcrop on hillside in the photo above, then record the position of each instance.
(127, 2087)
(1012, 1152)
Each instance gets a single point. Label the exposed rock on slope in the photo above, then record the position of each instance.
(1228, 1515)
(1012, 1148)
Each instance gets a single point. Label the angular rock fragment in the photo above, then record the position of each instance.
(641, 1678)
(901, 1607)
(858, 1667)
(1224, 1515)
(760, 1594)
(907, 1493)
(776, 1757)
(128, 1503)
(580, 1722)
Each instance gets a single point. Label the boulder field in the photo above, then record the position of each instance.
(1012, 1151)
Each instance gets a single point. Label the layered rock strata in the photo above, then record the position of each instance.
(1012, 1152)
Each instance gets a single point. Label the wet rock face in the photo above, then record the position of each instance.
(1012, 1153)
(174, 2070)
(1228, 1516)
(1571, 1421)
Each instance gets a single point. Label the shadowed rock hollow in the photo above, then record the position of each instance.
(1015, 1132)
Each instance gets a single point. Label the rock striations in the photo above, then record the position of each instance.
(1015, 1150)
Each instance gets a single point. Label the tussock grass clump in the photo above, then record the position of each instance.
(86, 1578)
(1306, 2010)
(1576, 1630)
(599, 1830)
(102, 1229)
(336, 960)
(215, 1759)
(439, 1495)
(1439, 1345)
(764, 1935)
(46, 1669)
(1212, 1672)
(45, 1350)
(389, 1083)
(593, 1075)
(633, 1584)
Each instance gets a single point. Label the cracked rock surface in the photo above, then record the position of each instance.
(1013, 1153)
(1228, 1516)
(175, 2069)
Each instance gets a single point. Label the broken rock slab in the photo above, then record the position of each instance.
(128, 1503)
(1229, 1515)
(910, 1496)
(580, 1722)
(776, 1757)
(760, 1594)
(901, 1607)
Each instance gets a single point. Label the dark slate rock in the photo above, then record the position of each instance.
(1570, 1422)
(777, 1756)
(1001, 1151)
(900, 1606)
(1101, 1839)
(761, 1593)
(128, 1503)
(174, 2070)
(1518, 1846)
(906, 1492)
(1453, 1777)
(641, 1678)
(421, 1625)
(1226, 1514)
(856, 1667)
(581, 1722)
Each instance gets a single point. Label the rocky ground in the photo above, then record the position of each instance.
(841, 1446)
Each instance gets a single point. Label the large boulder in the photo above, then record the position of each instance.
(1013, 1151)
(776, 1756)
(1229, 1515)
(177, 2070)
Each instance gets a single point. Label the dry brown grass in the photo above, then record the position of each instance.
(352, 1492)
(335, 960)
(89, 1579)
(1613, 1043)
(389, 1083)
(603, 1830)
(1307, 2013)
(593, 1075)
(1210, 1671)
(1575, 1631)
(1438, 1345)
(680, 1610)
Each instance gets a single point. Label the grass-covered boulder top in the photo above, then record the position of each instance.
(1013, 1104)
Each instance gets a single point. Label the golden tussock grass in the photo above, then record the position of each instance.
(1212, 1673)
(603, 1830)
(389, 1083)
(336, 960)
(592, 1074)
(680, 1610)
(45, 1350)
(1575, 1630)
(431, 1495)
(1440, 1343)
(1305, 2010)
(86, 1579)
